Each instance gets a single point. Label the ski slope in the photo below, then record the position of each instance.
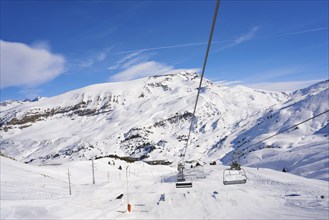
(41, 192)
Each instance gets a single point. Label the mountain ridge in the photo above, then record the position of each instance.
(149, 118)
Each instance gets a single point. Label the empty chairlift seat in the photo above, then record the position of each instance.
(234, 175)
(199, 172)
(181, 181)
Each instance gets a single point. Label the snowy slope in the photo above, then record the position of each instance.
(148, 120)
(304, 149)
(41, 192)
(148, 117)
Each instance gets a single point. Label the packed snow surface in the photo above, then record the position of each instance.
(42, 192)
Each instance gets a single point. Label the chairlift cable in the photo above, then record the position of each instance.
(202, 74)
(280, 132)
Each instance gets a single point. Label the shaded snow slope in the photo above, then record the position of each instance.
(41, 192)
(304, 149)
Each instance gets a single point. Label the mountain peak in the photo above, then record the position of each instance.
(150, 118)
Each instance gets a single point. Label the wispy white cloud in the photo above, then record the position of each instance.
(141, 70)
(274, 74)
(247, 36)
(252, 33)
(165, 47)
(243, 38)
(133, 61)
(263, 76)
(22, 65)
(301, 31)
(138, 64)
(105, 27)
(102, 55)
(131, 58)
(98, 57)
(87, 63)
(283, 86)
(147, 68)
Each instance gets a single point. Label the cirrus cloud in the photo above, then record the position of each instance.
(241, 39)
(288, 86)
(142, 70)
(138, 65)
(22, 65)
(147, 68)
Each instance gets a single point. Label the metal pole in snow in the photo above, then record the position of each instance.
(128, 206)
(68, 176)
(127, 184)
(92, 164)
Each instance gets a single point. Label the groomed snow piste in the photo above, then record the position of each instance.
(42, 192)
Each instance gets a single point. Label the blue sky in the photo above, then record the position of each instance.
(51, 47)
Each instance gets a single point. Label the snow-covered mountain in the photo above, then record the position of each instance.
(149, 119)
(302, 149)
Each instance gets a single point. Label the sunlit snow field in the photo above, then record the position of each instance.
(42, 192)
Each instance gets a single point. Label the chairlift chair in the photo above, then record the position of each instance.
(200, 173)
(181, 181)
(234, 175)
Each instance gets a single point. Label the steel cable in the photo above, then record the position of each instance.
(202, 74)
